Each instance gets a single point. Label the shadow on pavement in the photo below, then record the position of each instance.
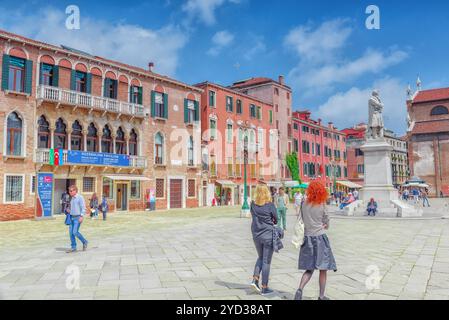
(250, 291)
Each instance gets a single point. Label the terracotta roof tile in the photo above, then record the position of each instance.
(253, 82)
(432, 95)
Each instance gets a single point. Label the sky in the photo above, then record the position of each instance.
(328, 56)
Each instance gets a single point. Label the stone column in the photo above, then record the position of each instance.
(52, 137)
(114, 136)
(84, 132)
(127, 143)
(69, 139)
(99, 137)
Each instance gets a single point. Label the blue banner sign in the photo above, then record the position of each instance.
(97, 158)
(45, 194)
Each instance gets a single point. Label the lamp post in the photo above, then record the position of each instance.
(245, 207)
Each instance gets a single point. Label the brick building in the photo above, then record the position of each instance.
(227, 116)
(321, 150)
(279, 95)
(428, 138)
(355, 138)
(110, 128)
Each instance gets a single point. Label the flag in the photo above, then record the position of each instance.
(52, 157)
(57, 156)
(61, 157)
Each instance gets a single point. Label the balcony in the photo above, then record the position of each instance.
(42, 156)
(81, 99)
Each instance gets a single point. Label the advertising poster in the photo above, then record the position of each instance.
(45, 194)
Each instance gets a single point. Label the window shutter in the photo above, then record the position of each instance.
(232, 105)
(73, 81)
(106, 86)
(131, 90)
(140, 96)
(186, 111)
(165, 105)
(5, 72)
(41, 71)
(89, 83)
(115, 83)
(197, 113)
(29, 76)
(55, 76)
(153, 98)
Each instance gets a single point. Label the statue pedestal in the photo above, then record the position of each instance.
(378, 177)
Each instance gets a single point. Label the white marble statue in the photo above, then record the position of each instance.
(375, 120)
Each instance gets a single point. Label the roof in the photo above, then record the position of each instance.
(358, 133)
(431, 127)
(255, 82)
(66, 50)
(431, 95)
(350, 184)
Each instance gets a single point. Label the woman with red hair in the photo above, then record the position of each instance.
(316, 252)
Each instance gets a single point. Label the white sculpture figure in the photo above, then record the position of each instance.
(375, 120)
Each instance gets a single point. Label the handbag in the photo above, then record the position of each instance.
(68, 220)
(298, 232)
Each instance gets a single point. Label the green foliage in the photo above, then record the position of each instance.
(293, 166)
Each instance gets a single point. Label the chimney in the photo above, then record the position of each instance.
(281, 80)
(319, 122)
(150, 66)
(331, 125)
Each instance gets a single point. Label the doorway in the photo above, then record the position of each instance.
(122, 197)
(61, 186)
(176, 193)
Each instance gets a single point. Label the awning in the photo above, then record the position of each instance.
(291, 183)
(350, 184)
(127, 178)
(226, 183)
(275, 184)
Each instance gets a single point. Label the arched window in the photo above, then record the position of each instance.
(120, 147)
(106, 140)
(190, 151)
(60, 134)
(14, 135)
(439, 110)
(133, 143)
(92, 138)
(43, 133)
(76, 139)
(159, 149)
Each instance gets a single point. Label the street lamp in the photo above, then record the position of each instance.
(245, 207)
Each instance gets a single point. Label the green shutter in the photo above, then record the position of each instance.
(41, 73)
(165, 105)
(28, 76)
(131, 94)
(153, 102)
(197, 113)
(73, 80)
(186, 111)
(140, 95)
(89, 83)
(106, 86)
(5, 72)
(55, 76)
(232, 104)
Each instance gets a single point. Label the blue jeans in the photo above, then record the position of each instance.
(282, 218)
(343, 205)
(424, 201)
(74, 232)
(372, 210)
(265, 253)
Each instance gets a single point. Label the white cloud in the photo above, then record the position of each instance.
(372, 61)
(205, 9)
(126, 43)
(318, 45)
(257, 46)
(348, 108)
(220, 40)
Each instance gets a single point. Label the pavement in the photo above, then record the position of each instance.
(208, 253)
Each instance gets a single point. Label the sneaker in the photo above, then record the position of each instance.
(298, 295)
(266, 291)
(85, 246)
(255, 285)
(323, 298)
(71, 251)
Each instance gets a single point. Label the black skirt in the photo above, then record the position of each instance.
(316, 254)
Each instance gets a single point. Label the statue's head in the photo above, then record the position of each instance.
(375, 93)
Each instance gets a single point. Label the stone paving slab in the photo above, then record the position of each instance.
(209, 254)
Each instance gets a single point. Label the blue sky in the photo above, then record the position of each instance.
(329, 58)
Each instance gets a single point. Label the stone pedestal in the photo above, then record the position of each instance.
(378, 177)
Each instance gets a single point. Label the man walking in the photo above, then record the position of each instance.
(77, 211)
(281, 205)
(425, 198)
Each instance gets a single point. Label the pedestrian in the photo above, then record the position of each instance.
(104, 207)
(298, 201)
(93, 204)
(264, 219)
(372, 207)
(356, 194)
(77, 211)
(281, 205)
(65, 201)
(152, 202)
(415, 194)
(425, 198)
(405, 194)
(316, 252)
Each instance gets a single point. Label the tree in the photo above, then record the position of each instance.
(293, 166)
